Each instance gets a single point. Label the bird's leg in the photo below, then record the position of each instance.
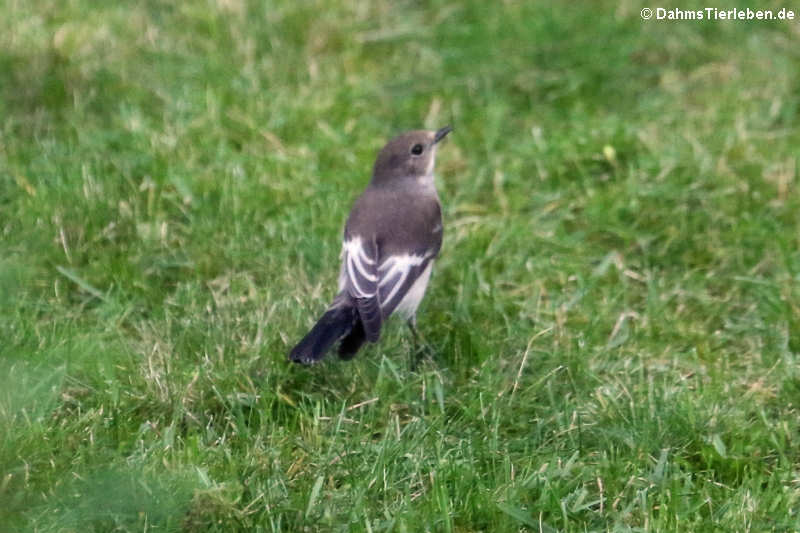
(412, 325)
(421, 348)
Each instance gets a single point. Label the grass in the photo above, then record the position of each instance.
(616, 311)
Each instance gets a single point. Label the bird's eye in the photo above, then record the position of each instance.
(416, 149)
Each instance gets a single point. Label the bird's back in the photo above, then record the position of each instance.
(400, 221)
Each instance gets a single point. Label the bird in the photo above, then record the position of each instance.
(391, 239)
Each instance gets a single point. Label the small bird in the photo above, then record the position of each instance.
(392, 236)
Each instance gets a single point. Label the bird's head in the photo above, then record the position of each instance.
(409, 155)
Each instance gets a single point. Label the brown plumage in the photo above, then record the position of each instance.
(392, 236)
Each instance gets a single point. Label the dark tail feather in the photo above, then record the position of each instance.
(337, 322)
(369, 311)
(352, 342)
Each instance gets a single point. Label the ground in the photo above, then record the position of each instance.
(614, 321)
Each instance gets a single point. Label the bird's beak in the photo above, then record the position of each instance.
(441, 134)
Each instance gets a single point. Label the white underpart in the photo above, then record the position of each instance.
(427, 180)
(431, 162)
(355, 259)
(389, 269)
(408, 305)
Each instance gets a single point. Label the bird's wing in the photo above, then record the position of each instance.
(396, 276)
(387, 249)
(360, 279)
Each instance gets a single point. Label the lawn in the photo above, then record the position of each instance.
(614, 319)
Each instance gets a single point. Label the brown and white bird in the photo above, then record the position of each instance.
(392, 236)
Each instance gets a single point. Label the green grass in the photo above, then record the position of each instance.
(616, 311)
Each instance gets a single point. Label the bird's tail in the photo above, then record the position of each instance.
(352, 342)
(337, 322)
